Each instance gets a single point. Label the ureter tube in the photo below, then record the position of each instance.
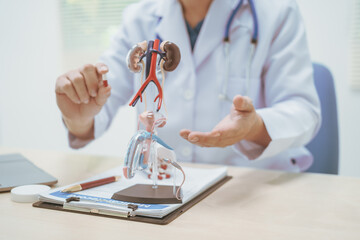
(141, 80)
(162, 84)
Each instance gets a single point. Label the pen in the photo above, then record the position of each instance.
(91, 184)
(105, 82)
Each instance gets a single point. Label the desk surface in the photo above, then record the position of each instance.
(255, 204)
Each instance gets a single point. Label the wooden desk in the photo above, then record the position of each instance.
(253, 205)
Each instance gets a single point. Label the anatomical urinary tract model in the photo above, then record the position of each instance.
(146, 151)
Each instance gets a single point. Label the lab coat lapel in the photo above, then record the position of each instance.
(213, 29)
(172, 27)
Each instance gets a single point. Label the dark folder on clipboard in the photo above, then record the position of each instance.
(148, 213)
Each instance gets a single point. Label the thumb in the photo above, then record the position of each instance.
(243, 104)
(102, 96)
(101, 68)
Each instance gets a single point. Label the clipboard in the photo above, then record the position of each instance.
(160, 221)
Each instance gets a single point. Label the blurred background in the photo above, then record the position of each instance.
(41, 39)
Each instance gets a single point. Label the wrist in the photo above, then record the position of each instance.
(258, 133)
(81, 128)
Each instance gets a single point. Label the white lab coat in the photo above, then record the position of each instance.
(281, 86)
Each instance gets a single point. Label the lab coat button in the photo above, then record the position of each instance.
(188, 94)
(186, 151)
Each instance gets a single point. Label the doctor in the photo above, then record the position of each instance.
(258, 114)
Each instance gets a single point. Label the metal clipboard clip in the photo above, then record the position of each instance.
(73, 202)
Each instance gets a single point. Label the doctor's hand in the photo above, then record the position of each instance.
(80, 95)
(243, 123)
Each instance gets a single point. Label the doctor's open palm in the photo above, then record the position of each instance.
(80, 95)
(242, 123)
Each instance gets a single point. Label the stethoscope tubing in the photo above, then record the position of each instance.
(254, 38)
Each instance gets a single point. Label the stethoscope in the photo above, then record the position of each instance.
(254, 38)
(223, 94)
